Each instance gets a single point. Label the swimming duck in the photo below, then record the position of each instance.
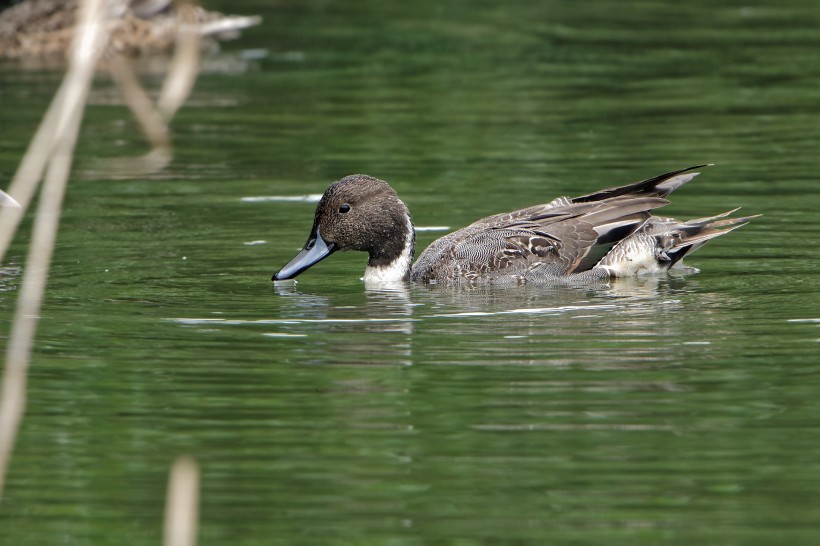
(608, 233)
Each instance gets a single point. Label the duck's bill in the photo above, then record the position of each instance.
(315, 250)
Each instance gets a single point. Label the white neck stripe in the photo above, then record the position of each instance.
(398, 269)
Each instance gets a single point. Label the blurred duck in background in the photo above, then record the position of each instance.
(44, 28)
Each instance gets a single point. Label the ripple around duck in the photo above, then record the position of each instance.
(527, 311)
(240, 322)
(363, 320)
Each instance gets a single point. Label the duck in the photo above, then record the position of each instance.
(607, 234)
(37, 29)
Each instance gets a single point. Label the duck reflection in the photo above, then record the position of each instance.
(373, 327)
(634, 320)
(628, 323)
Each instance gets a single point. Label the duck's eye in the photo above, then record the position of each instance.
(344, 208)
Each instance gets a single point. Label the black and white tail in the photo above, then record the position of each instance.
(663, 242)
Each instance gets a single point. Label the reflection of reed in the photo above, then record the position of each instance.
(49, 159)
(41, 30)
(154, 119)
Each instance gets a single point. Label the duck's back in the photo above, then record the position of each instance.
(550, 241)
(547, 241)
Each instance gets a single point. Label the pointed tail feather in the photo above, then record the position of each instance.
(689, 236)
(658, 186)
(714, 222)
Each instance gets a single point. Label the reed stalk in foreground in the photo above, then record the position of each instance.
(52, 152)
(182, 504)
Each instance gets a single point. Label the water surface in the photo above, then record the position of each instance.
(682, 409)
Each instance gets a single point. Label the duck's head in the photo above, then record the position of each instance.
(363, 213)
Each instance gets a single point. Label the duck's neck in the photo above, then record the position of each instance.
(392, 261)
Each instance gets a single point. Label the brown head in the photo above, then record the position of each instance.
(358, 212)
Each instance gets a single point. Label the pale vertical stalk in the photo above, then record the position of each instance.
(24, 327)
(90, 36)
(182, 504)
(30, 171)
(7, 200)
(185, 65)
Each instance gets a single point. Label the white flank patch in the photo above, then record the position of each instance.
(631, 257)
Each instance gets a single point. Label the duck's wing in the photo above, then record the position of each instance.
(554, 209)
(559, 240)
(562, 237)
(657, 186)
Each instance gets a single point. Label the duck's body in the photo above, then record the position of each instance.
(609, 233)
(44, 28)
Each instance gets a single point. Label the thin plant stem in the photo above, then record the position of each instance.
(29, 302)
(182, 504)
(30, 173)
(65, 119)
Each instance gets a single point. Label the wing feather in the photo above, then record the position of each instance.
(561, 237)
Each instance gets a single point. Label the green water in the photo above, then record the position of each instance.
(678, 410)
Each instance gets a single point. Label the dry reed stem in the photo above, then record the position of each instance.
(30, 171)
(7, 200)
(184, 67)
(182, 504)
(63, 122)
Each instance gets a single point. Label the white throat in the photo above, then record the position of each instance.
(398, 269)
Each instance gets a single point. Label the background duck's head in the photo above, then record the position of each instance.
(363, 213)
